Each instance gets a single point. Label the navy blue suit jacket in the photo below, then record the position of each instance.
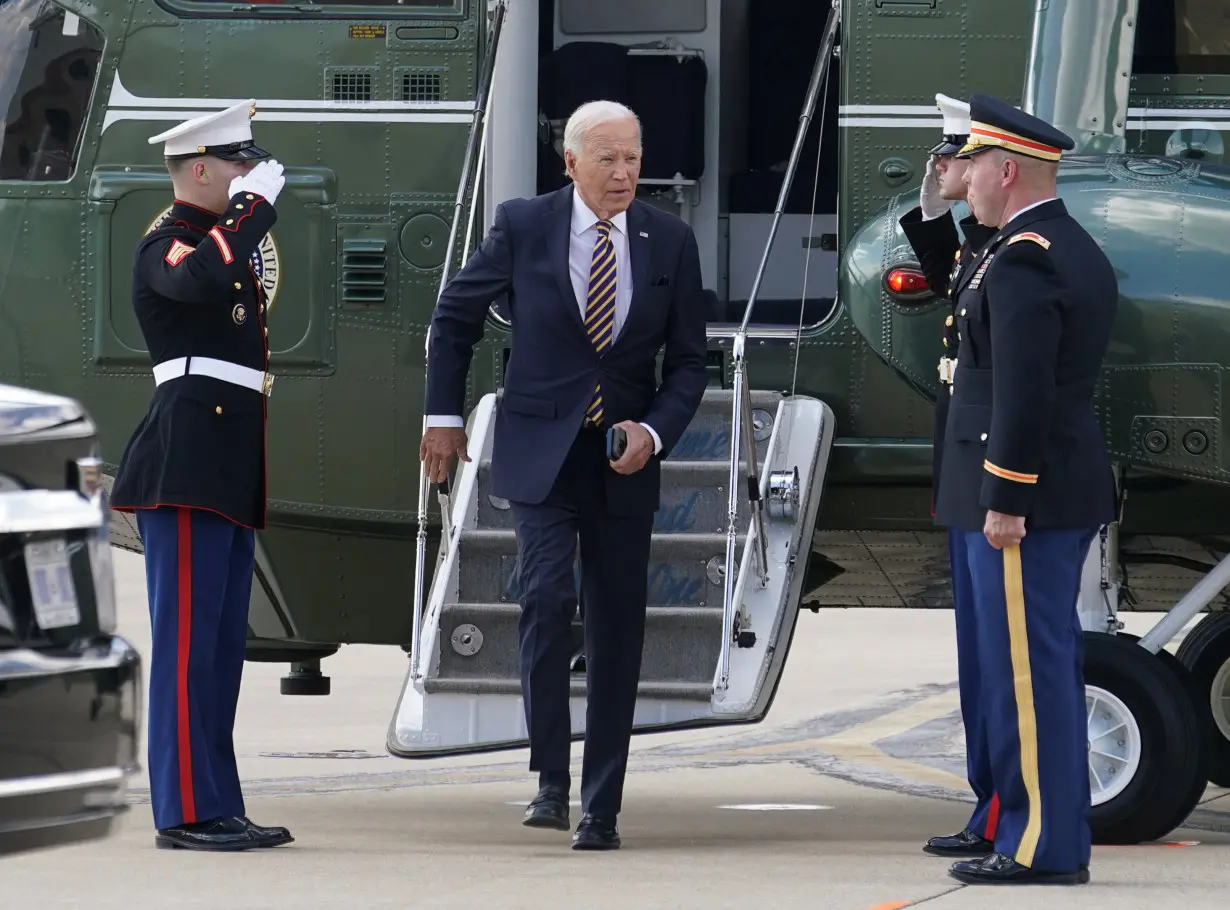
(553, 367)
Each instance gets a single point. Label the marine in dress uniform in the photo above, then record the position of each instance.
(1027, 478)
(194, 470)
(944, 258)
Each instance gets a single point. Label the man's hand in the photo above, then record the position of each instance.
(1003, 530)
(640, 447)
(437, 449)
(929, 199)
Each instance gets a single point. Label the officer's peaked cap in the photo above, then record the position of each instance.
(956, 125)
(225, 134)
(994, 124)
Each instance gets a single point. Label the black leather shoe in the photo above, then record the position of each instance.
(266, 837)
(596, 834)
(215, 834)
(549, 809)
(967, 843)
(998, 869)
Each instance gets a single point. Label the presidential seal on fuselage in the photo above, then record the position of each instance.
(266, 262)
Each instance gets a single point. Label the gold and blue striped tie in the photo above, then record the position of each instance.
(600, 308)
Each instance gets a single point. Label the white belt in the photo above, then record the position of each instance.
(217, 369)
(948, 369)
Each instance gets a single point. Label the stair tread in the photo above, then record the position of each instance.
(498, 535)
(647, 688)
(513, 608)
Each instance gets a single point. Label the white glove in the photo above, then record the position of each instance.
(932, 205)
(265, 180)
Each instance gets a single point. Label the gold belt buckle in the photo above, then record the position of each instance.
(267, 385)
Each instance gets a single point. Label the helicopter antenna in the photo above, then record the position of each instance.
(741, 438)
(471, 167)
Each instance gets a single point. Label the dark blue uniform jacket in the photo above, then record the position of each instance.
(1022, 436)
(195, 291)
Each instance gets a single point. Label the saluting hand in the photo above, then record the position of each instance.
(640, 447)
(1003, 530)
(437, 449)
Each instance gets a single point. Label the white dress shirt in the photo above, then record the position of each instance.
(581, 242)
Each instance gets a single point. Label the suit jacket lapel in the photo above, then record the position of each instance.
(639, 251)
(559, 239)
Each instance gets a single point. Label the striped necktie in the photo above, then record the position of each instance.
(600, 309)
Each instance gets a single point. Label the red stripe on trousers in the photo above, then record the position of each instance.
(187, 794)
(992, 817)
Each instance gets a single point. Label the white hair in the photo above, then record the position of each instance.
(592, 114)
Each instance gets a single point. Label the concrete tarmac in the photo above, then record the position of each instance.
(823, 806)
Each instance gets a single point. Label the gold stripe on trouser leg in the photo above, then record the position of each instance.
(1026, 719)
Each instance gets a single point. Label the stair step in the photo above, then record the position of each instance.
(708, 435)
(693, 499)
(683, 568)
(681, 643)
(672, 691)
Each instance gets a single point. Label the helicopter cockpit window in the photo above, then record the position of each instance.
(1182, 37)
(48, 66)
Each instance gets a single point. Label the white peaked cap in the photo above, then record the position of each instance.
(956, 115)
(223, 134)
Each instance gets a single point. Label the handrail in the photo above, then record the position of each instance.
(741, 403)
(472, 161)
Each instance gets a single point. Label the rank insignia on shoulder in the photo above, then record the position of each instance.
(178, 252)
(1030, 235)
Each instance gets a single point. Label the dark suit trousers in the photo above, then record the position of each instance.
(614, 570)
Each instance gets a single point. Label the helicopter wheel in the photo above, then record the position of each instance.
(1205, 651)
(1145, 770)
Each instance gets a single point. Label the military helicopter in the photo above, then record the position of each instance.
(791, 135)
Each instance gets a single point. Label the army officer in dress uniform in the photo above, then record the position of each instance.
(1027, 478)
(194, 469)
(932, 233)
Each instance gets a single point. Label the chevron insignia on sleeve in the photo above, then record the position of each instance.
(178, 252)
(1030, 235)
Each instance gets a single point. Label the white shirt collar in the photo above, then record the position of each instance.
(1034, 205)
(583, 217)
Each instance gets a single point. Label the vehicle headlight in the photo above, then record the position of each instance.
(104, 579)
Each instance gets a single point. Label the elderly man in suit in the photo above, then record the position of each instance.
(598, 283)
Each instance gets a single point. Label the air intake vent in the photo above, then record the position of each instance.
(419, 86)
(351, 87)
(364, 268)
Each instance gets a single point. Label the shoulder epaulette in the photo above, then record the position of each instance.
(1030, 235)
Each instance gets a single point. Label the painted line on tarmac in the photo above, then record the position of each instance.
(775, 807)
(902, 905)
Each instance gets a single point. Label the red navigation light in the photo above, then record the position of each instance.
(906, 281)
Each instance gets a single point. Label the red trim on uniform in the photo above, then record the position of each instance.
(992, 817)
(189, 205)
(262, 303)
(227, 256)
(187, 794)
(252, 204)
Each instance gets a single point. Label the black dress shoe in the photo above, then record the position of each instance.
(266, 837)
(596, 834)
(549, 809)
(967, 843)
(215, 834)
(998, 869)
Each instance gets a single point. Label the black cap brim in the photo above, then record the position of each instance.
(246, 153)
(945, 148)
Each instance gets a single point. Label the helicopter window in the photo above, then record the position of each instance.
(48, 66)
(1180, 37)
